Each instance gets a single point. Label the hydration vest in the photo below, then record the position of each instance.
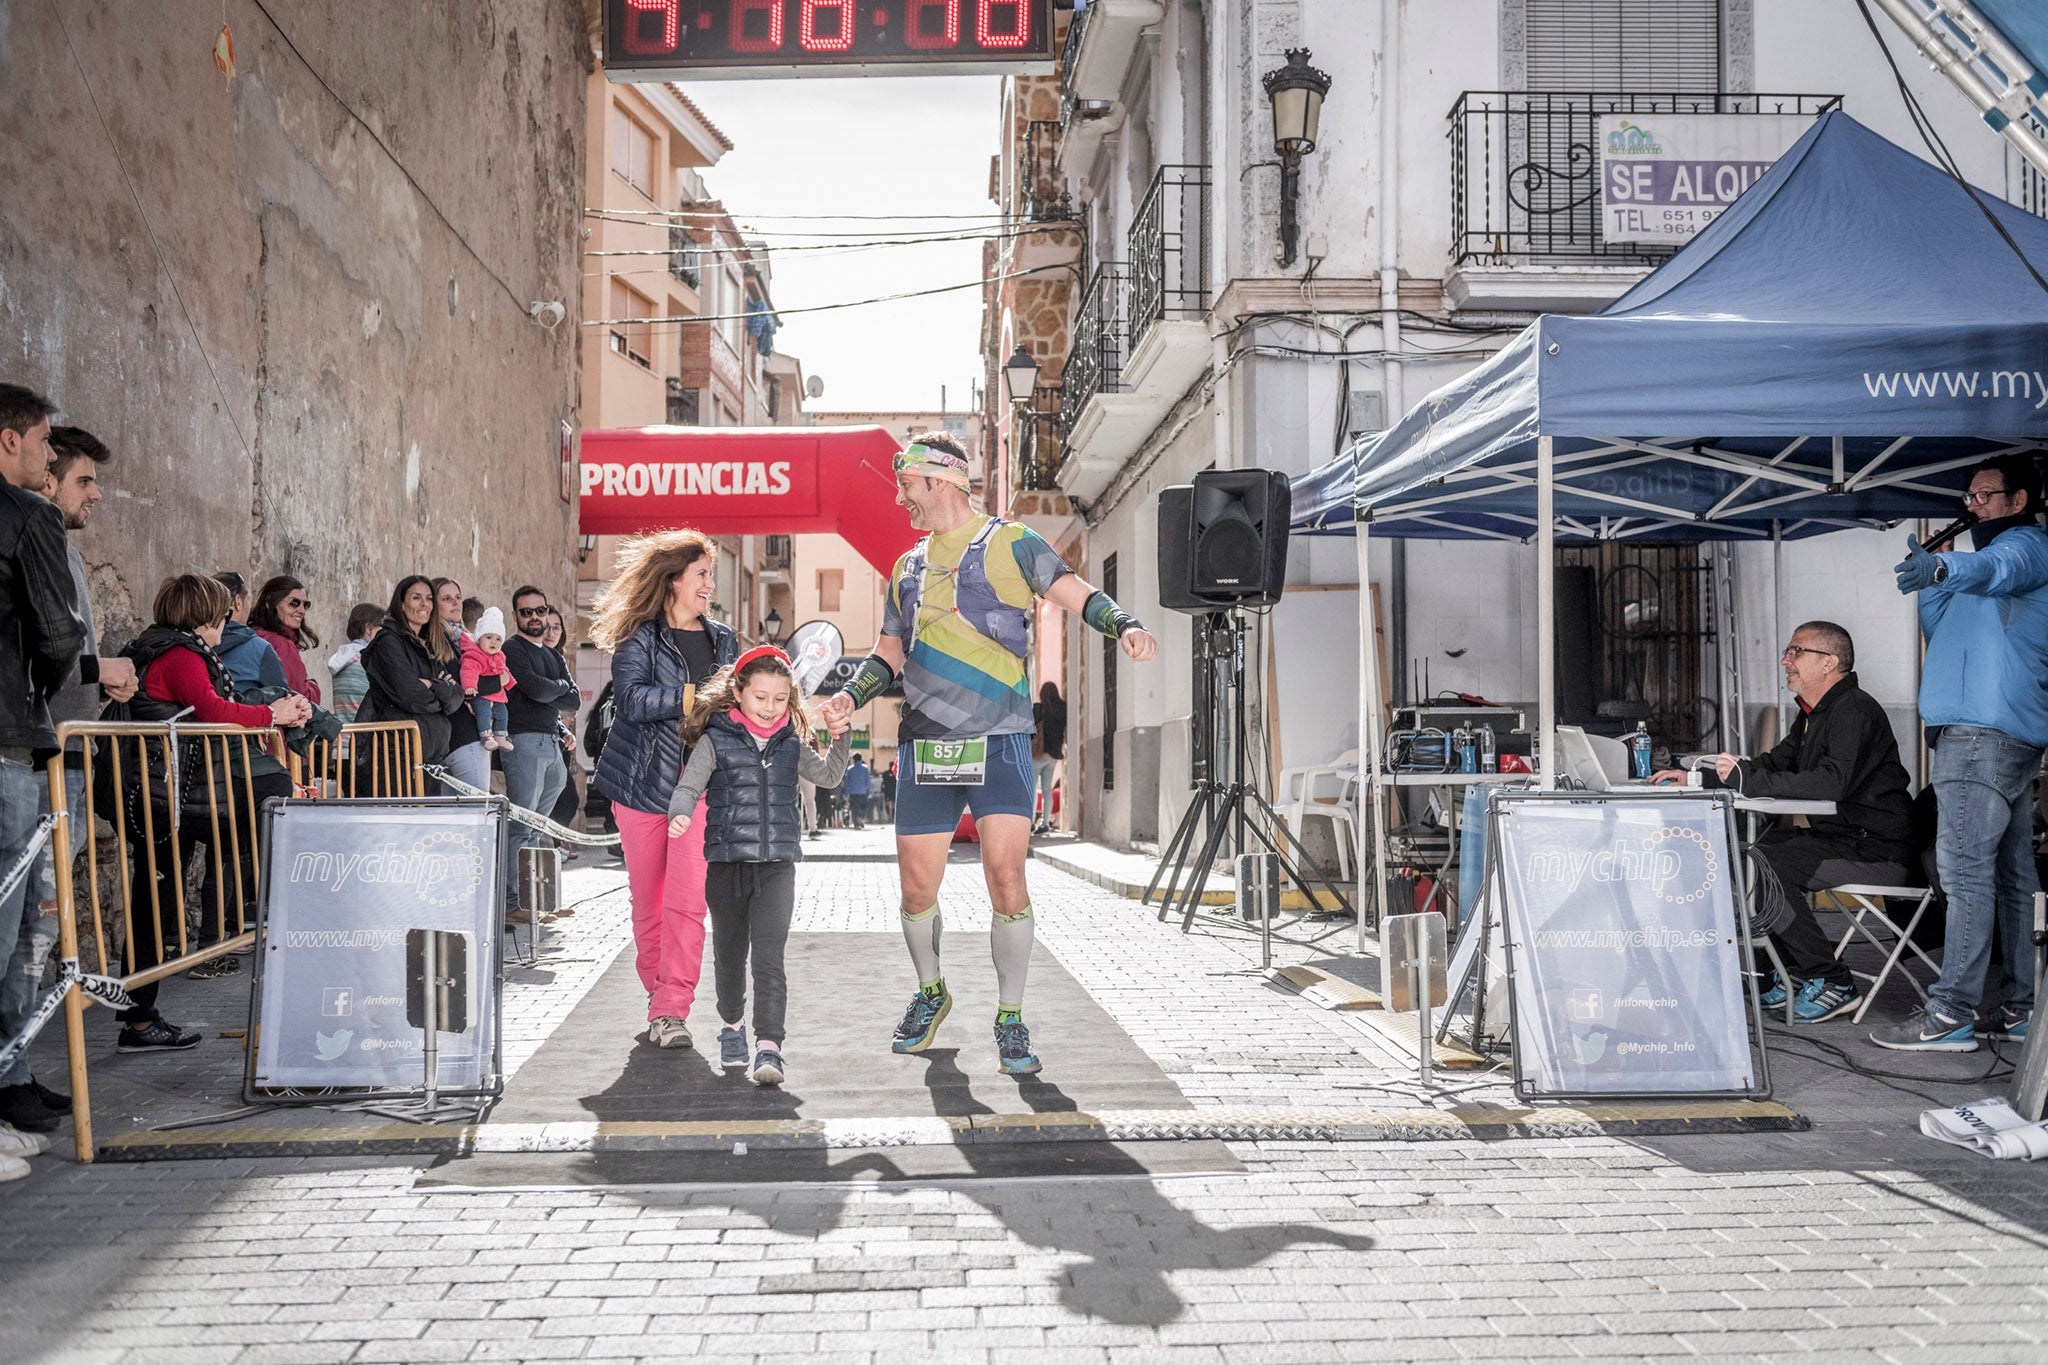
(974, 598)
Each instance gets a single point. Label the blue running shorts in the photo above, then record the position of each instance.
(1006, 789)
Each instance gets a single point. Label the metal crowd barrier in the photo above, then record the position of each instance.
(374, 759)
(146, 767)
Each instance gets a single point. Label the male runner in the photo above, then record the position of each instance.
(956, 628)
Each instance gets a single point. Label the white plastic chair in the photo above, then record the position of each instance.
(1868, 902)
(1324, 792)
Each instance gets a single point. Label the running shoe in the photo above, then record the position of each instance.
(158, 1035)
(768, 1068)
(669, 1032)
(215, 967)
(2011, 1024)
(1013, 1049)
(15, 1142)
(1774, 995)
(12, 1168)
(921, 1021)
(1821, 1000)
(56, 1101)
(1927, 1029)
(24, 1109)
(732, 1048)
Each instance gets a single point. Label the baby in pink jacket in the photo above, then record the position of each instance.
(486, 679)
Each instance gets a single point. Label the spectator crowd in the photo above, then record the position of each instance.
(218, 652)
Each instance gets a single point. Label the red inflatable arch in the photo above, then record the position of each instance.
(740, 481)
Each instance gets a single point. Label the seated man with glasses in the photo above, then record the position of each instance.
(1840, 749)
(1985, 616)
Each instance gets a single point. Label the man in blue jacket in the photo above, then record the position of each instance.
(1985, 616)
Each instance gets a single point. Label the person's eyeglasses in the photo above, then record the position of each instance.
(298, 601)
(531, 611)
(1976, 499)
(1794, 651)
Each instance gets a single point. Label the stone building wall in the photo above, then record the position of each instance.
(294, 300)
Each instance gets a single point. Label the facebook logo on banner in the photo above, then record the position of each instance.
(337, 1001)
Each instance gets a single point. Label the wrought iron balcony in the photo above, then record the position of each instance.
(1041, 189)
(682, 255)
(1525, 170)
(1095, 364)
(1035, 444)
(1168, 249)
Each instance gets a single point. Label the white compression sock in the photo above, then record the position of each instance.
(1009, 938)
(921, 932)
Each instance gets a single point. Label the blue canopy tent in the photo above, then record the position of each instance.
(1834, 350)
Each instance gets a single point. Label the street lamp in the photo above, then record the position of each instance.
(1296, 91)
(1020, 375)
(771, 626)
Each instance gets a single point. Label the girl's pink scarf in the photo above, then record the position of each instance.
(757, 731)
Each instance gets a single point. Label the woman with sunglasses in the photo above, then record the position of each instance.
(410, 668)
(279, 616)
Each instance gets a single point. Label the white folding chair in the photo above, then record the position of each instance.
(1867, 904)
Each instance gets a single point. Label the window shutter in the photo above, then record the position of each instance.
(1624, 46)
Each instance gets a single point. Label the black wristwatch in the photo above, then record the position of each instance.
(1940, 569)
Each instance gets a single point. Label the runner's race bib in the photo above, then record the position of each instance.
(950, 762)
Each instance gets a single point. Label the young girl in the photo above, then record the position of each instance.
(753, 743)
(485, 679)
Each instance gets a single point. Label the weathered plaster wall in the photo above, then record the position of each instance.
(309, 351)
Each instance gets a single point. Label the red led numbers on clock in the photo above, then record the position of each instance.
(932, 25)
(755, 26)
(1000, 24)
(826, 25)
(635, 37)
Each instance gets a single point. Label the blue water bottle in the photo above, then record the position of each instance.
(1639, 752)
(1468, 750)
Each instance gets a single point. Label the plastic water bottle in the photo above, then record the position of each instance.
(1468, 750)
(1489, 753)
(1639, 752)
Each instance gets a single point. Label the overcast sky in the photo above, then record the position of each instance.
(865, 146)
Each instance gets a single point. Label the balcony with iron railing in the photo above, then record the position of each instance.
(1035, 447)
(1167, 248)
(1525, 181)
(1095, 363)
(682, 255)
(1041, 189)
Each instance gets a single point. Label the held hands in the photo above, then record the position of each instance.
(678, 825)
(838, 723)
(290, 711)
(1139, 645)
(1916, 570)
(838, 707)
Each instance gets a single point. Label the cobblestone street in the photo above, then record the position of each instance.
(1857, 1240)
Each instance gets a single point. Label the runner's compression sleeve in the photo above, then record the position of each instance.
(870, 680)
(1105, 617)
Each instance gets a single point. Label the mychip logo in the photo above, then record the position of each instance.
(441, 869)
(1677, 864)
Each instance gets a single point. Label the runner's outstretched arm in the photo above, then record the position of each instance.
(882, 667)
(1075, 594)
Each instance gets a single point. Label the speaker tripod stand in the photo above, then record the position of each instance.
(1233, 807)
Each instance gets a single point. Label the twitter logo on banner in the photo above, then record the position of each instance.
(328, 1046)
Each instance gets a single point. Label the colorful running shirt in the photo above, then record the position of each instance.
(958, 682)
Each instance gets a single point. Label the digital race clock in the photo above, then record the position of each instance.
(704, 39)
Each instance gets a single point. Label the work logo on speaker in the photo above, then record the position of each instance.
(346, 885)
(1624, 944)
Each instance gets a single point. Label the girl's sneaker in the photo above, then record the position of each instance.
(732, 1048)
(768, 1068)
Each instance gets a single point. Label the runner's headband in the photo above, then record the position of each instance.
(933, 463)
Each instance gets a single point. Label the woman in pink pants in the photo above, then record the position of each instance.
(654, 619)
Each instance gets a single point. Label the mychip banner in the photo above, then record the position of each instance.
(1663, 177)
(344, 881)
(1625, 951)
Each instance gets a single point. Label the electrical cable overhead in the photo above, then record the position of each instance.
(828, 307)
(986, 231)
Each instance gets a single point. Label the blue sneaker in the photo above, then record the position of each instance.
(1927, 1029)
(1013, 1049)
(1821, 1000)
(769, 1068)
(2011, 1025)
(921, 1021)
(732, 1048)
(1774, 995)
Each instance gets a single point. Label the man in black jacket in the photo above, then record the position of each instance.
(1840, 749)
(40, 639)
(535, 769)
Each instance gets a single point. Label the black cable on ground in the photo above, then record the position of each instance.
(2000, 1068)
